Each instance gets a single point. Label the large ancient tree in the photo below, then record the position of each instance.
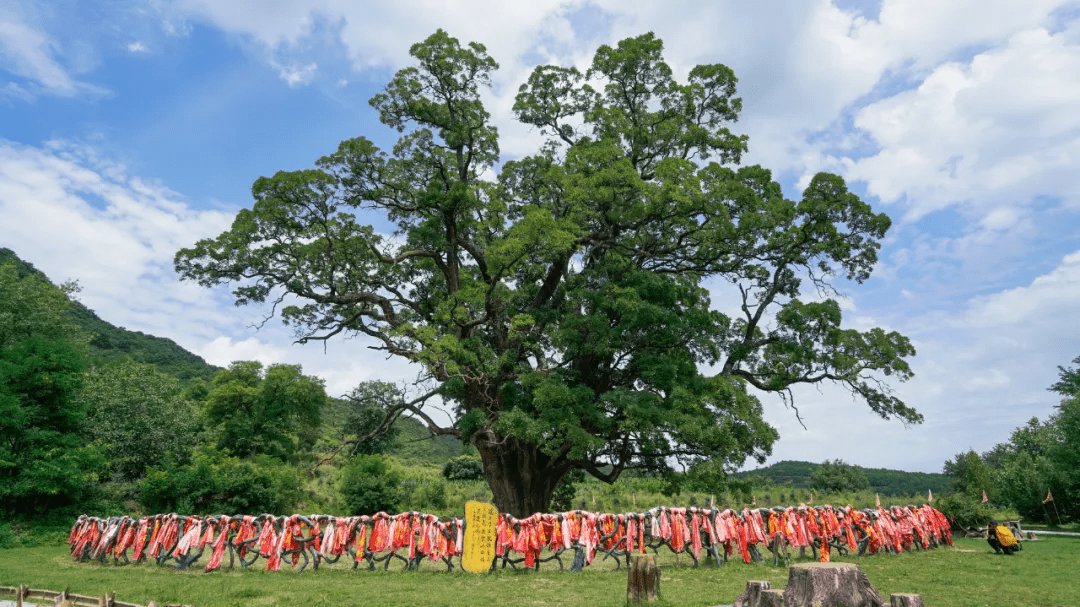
(560, 309)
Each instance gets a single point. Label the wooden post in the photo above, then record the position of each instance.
(751, 597)
(642, 580)
(905, 600)
(19, 595)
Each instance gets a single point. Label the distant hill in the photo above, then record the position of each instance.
(111, 342)
(416, 445)
(882, 480)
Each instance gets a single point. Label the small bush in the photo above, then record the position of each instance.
(368, 485)
(966, 511)
(463, 468)
(7, 536)
(217, 483)
(433, 495)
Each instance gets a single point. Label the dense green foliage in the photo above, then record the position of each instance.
(44, 462)
(561, 308)
(836, 476)
(215, 482)
(138, 417)
(369, 485)
(31, 306)
(273, 411)
(463, 468)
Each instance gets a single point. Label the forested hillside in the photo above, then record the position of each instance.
(882, 481)
(109, 342)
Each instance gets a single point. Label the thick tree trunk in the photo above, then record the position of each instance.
(521, 477)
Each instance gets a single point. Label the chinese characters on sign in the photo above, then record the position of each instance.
(479, 548)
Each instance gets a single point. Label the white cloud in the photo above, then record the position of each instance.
(296, 76)
(137, 47)
(981, 134)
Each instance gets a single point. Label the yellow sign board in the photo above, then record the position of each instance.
(479, 548)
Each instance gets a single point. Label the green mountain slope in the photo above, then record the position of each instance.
(882, 480)
(110, 342)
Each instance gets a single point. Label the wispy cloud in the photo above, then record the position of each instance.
(137, 47)
(295, 75)
(29, 52)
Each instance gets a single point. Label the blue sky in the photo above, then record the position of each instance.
(132, 128)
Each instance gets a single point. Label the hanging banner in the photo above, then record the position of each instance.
(479, 548)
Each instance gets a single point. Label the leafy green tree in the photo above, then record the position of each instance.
(838, 477)
(970, 475)
(367, 427)
(1043, 456)
(274, 411)
(1068, 384)
(44, 461)
(138, 417)
(561, 308)
(369, 485)
(463, 468)
(31, 306)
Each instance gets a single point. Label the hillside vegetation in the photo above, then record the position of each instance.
(109, 343)
(796, 474)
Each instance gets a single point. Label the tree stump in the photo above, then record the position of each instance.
(828, 585)
(751, 597)
(642, 579)
(905, 600)
(772, 598)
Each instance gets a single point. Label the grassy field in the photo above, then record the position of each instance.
(966, 575)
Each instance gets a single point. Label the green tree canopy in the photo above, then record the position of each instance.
(970, 475)
(272, 411)
(31, 306)
(44, 462)
(561, 308)
(138, 416)
(836, 476)
(1068, 384)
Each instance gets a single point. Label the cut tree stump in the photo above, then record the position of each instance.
(829, 585)
(905, 600)
(642, 580)
(772, 598)
(751, 597)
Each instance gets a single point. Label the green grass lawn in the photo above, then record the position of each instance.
(966, 575)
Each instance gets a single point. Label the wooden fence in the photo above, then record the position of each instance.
(64, 598)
